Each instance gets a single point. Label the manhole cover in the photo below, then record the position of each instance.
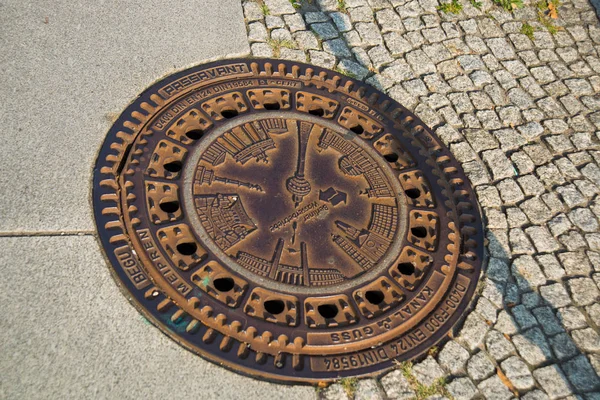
(286, 221)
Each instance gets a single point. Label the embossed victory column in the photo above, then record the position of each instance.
(207, 177)
(297, 185)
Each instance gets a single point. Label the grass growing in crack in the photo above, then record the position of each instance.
(437, 387)
(527, 30)
(341, 6)
(476, 4)
(433, 351)
(509, 5)
(422, 391)
(547, 11)
(296, 4)
(263, 7)
(345, 72)
(349, 385)
(278, 44)
(454, 7)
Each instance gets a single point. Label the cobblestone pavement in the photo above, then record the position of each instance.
(522, 113)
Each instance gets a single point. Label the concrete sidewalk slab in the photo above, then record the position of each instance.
(68, 70)
(68, 332)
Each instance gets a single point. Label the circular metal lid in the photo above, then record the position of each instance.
(286, 221)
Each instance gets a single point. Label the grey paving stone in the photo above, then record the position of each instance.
(341, 21)
(516, 217)
(523, 317)
(498, 346)
(261, 50)
(501, 48)
(584, 219)
(281, 35)
(462, 389)
(551, 267)
(572, 318)
(534, 208)
(519, 242)
(547, 320)
(453, 357)
(389, 21)
(571, 196)
(295, 22)
(506, 323)
(583, 291)
(279, 7)
(587, 340)
(292, 54)
(379, 56)
(554, 382)
(575, 263)
(480, 366)
(563, 346)
(273, 21)
(361, 14)
(335, 392)
(315, 16)
(473, 332)
(396, 386)
(542, 239)
(306, 40)
(497, 162)
(337, 47)
(527, 272)
(369, 33)
(555, 295)
(535, 395)
(428, 371)
(518, 373)
(324, 30)
(71, 349)
(367, 389)
(257, 32)
(498, 269)
(494, 389)
(533, 347)
(109, 54)
(353, 68)
(580, 373)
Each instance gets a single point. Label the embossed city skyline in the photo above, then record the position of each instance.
(295, 202)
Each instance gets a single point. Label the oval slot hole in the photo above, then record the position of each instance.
(169, 206)
(358, 129)
(274, 306)
(223, 284)
(406, 268)
(328, 310)
(391, 157)
(229, 113)
(195, 134)
(187, 248)
(419, 231)
(319, 112)
(413, 193)
(271, 106)
(374, 296)
(173, 166)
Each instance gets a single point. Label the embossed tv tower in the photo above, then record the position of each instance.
(297, 185)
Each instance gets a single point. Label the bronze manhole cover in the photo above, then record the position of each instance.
(286, 221)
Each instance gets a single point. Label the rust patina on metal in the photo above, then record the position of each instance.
(286, 221)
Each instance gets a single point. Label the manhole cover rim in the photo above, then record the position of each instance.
(125, 119)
